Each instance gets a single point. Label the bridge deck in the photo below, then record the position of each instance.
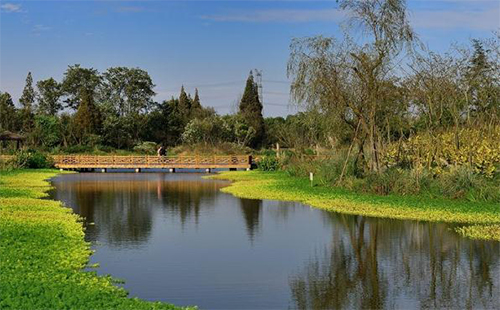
(143, 162)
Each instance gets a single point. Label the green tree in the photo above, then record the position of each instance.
(27, 101)
(88, 121)
(47, 131)
(79, 82)
(483, 81)
(128, 90)
(250, 109)
(353, 81)
(196, 108)
(210, 130)
(7, 112)
(49, 93)
(184, 105)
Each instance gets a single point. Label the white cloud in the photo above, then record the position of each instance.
(11, 8)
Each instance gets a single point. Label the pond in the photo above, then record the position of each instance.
(177, 238)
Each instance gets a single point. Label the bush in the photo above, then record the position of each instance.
(326, 171)
(78, 149)
(226, 148)
(463, 183)
(268, 163)
(477, 148)
(32, 160)
(146, 147)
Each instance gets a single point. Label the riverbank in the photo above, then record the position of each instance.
(478, 220)
(43, 252)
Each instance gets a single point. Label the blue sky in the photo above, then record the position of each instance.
(211, 45)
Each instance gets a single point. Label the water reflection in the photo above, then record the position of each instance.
(251, 211)
(373, 264)
(119, 210)
(177, 238)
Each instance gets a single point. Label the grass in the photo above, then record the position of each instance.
(43, 253)
(481, 220)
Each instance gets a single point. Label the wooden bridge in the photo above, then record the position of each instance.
(81, 162)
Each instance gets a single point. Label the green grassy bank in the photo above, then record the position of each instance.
(43, 252)
(480, 220)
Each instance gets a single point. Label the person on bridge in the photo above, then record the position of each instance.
(162, 151)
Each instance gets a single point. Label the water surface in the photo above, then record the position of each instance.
(177, 238)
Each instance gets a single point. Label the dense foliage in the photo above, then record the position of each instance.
(43, 253)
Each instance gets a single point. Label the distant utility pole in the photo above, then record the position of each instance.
(258, 81)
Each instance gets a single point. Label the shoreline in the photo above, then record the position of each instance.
(478, 220)
(44, 254)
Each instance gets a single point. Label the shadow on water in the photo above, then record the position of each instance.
(177, 238)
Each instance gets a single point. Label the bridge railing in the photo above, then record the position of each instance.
(118, 161)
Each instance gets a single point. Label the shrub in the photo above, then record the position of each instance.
(146, 147)
(33, 160)
(78, 149)
(462, 182)
(476, 148)
(268, 163)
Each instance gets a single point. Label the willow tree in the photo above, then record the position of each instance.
(351, 81)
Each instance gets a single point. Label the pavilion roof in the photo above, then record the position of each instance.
(7, 135)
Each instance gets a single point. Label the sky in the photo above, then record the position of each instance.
(209, 45)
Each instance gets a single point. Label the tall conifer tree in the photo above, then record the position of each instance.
(196, 108)
(184, 102)
(251, 110)
(27, 101)
(28, 97)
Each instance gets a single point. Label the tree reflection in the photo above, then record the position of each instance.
(371, 259)
(251, 210)
(120, 211)
(184, 198)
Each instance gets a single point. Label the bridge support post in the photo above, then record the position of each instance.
(137, 170)
(172, 170)
(208, 170)
(103, 170)
(61, 169)
(248, 169)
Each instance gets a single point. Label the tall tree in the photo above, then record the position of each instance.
(250, 109)
(7, 112)
(128, 90)
(27, 101)
(79, 82)
(196, 108)
(184, 103)
(354, 81)
(87, 119)
(49, 93)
